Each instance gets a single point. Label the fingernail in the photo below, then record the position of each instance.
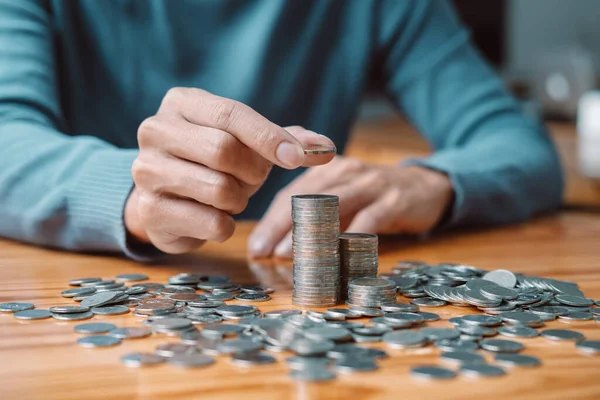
(284, 249)
(258, 247)
(328, 141)
(289, 154)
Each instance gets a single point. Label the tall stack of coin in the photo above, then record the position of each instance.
(315, 237)
(358, 258)
(371, 292)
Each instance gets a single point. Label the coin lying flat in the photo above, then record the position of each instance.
(15, 307)
(94, 327)
(517, 360)
(252, 359)
(588, 346)
(32, 314)
(501, 345)
(518, 331)
(132, 277)
(462, 357)
(191, 360)
(432, 372)
(81, 281)
(312, 375)
(354, 364)
(281, 313)
(137, 360)
(99, 299)
(405, 339)
(68, 309)
(234, 346)
(481, 370)
(300, 362)
(98, 341)
(134, 332)
(172, 349)
(562, 334)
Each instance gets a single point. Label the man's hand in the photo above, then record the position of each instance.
(201, 158)
(373, 199)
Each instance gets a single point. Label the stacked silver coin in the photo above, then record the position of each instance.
(371, 292)
(358, 258)
(316, 257)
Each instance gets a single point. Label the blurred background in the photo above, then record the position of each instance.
(548, 52)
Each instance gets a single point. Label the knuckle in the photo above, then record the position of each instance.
(222, 150)
(148, 130)
(223, 113)
(264, 138)
(174, 94)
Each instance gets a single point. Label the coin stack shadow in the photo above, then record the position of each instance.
(316, 258)
(358, 258)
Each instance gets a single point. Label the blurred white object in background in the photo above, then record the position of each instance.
(563, 76)
(588, 127)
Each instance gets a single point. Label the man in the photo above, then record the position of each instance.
(221, 96)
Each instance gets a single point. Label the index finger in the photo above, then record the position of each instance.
(258, 133)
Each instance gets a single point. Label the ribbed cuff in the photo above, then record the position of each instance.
(96, 204)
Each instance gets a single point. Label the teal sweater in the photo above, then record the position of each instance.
(77, 77)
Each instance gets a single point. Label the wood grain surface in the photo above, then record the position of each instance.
(40, 359)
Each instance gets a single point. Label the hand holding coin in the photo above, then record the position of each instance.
(201, 158)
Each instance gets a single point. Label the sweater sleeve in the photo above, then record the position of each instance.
(56, 190)
(503, 166)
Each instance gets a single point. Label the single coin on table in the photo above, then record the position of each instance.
(354, 364)
(191, 360)
(588, 346)
(319, 149)
(312, 375)
(68, 309)
(141, 359)
(80, 281)
(94, 327)
(517, 360)
(32, 314)
(132, 277)
(253, 297)
(15, 307)
(98, 341)
(562, 334)
(134, 332)
(252, 359)
(432, 372)
(501, 345)
(517, 331)
(481, 370)
(462, 357)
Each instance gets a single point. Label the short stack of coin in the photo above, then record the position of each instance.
(315, 237)
(371, 292)
(358, 258)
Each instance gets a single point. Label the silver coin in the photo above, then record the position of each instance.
(501, 345)
(483, 320)
(354, 364)
(428, 302)
(411, 318)
(432, 372)
(202, 319)
(399, 307)
(252, 359)
(517, 360)
(132, 277)
(77, 291)
(308, 347)
(134, 332)
(32, 314)
(234, 346)
(343, 312)
(299, 362)
(97, 282)
(573, 300)
(326, 332)
(433, 334)
(80, 281)
(376, 330)
(562, 334)
(110, 310)
(456, 344)
(501, 277)
(518, 331)
(235, 309)
(429, 316)
(141, 359)
(312, 375)
(94, 327)
(98, 341)
(67, 309)
(73, 316)
(462, 357)
(219, 330)
(281, 313)
(404, 339)
(367, 311)
(99, 299)
(173, 349)
(224, 296)
(191, 360)
(576, 316)
(15, 307)
(481, 370)
(588, 346)
(171, 324)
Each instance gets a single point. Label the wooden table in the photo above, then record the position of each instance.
(40, 359)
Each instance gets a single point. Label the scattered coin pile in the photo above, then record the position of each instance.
(316, 257)
(193, 308)
(358, 258)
